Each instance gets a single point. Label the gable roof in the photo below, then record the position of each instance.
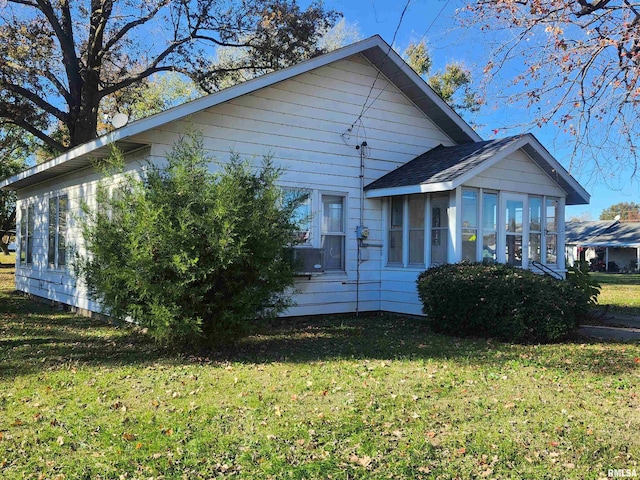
(445, 168)
(603, 233)
(374, 49)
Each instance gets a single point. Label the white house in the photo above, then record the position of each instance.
(396, 181)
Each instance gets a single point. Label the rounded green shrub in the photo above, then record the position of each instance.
(500, 301)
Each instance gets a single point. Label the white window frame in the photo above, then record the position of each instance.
(55, 233)
(326, 233)
(27, 227)
(405, 229)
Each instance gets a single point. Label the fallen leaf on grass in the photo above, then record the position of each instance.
(128, 436)
(362, 461)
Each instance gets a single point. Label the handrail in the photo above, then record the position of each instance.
(547, 270)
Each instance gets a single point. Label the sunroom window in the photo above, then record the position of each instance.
(439, 229)
(551, 231)
(535, 229)
(469, 224)
(489, 226)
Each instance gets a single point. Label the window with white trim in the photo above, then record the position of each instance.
(301, 214)
(535, 229)
(469, 224)
(333, 232)
(27, 226)
(551, 231)
(406, 230)
(439, 229)
(58, 221)
(416, 229)
(396, 229)
(489, 226)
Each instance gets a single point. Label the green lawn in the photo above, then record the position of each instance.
(620, 292)
(341, 397)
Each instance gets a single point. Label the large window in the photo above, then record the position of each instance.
(57, 253)
(27, 225)
(469, 224)
(333, 232)
(551, 231)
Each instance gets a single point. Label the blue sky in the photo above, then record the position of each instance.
(435, 20)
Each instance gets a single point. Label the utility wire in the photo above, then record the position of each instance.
(364, 106)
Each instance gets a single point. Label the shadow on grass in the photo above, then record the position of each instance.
(35, 337)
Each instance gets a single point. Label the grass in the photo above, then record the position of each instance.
(340, 397)
(620, 292)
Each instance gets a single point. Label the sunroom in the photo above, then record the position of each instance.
(497, 201)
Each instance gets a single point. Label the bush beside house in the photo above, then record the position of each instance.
(503, 302)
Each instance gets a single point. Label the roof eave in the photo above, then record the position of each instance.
(374, 48)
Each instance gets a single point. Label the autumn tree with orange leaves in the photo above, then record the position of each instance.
(577, 67)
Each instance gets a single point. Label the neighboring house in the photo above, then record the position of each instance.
(396, 182)
(608, 245)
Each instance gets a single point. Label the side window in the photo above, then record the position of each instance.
(58, 213)
(27, 226)
(302, 214)
(396, 218)
(333, 232)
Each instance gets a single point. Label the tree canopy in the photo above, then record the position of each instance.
(60, 60)
(453, 84)
(14, 151)
(576, 67)
(628, 211)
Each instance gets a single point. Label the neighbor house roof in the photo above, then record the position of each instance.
(603, 233)
(374, 49)
(445, 168)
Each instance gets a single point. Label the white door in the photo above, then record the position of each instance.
(514, 231)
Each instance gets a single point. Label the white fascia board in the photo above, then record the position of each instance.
(409, 190)
(184, 110)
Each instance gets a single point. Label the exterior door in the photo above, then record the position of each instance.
(515, 232)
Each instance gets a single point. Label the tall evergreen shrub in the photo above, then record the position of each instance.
(189, 254)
